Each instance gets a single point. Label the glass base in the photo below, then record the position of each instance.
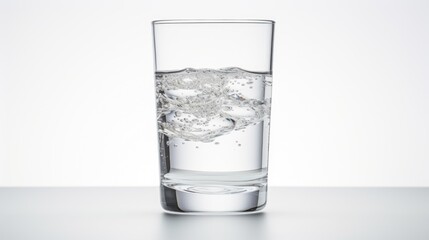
(213, 199)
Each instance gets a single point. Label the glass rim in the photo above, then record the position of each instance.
(207, 21)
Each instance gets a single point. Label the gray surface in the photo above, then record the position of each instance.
(291, 213)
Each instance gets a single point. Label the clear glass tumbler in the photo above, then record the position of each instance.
(213, 94)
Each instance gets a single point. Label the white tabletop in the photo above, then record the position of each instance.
(291, 213)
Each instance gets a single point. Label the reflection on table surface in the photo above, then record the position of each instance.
(291, 213)
(213, 227)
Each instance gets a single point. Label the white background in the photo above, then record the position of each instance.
(350, 93)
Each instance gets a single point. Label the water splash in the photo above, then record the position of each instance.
(202, 104)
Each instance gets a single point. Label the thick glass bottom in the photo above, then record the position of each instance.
(213, 199)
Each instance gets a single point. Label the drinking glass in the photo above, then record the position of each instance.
(213, 96)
